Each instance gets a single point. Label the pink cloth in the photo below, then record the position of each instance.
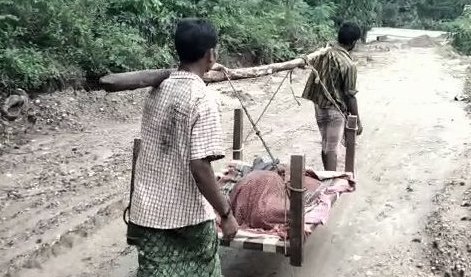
(319, 212)
(258, 200)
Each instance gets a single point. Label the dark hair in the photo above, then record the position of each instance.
(193, 38)
(349, 33)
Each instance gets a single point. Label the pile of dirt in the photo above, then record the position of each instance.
(422, 41)
(69, 110)
(377, 46)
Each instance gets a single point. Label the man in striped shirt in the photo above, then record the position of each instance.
(332, 88)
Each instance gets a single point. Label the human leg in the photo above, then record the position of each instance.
(331, 126)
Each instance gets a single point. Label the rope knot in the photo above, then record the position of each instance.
(305, 59)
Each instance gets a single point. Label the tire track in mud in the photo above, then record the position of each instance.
(34, 259)
(60, 192)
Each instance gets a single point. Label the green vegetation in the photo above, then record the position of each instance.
(422, 14)
(461, 32)
(49, 44)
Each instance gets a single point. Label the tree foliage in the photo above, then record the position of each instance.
(426, 14)
(49, 44)
(461, 32)
(52, 43)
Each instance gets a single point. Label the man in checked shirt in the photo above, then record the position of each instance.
(172, 219)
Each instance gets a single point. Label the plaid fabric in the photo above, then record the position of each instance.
(331, 126)
(189, 251)
(338, 73)
(181, 122)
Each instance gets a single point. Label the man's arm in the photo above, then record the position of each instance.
(205, 180)
(351, 91)
(206, 146)
(352, 106)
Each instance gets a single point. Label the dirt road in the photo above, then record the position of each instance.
(63, 192)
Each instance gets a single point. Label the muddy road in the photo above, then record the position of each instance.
(62, 193)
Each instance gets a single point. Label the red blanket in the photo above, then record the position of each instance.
(259, 200)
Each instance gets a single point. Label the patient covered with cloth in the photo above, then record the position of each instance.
(260, 198)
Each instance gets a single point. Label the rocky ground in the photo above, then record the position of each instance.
(65, 168)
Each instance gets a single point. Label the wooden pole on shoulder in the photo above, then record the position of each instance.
(148, 78)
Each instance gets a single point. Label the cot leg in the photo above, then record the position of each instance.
(135, 154)
(296, 213)
(237, 135)
(350, 140)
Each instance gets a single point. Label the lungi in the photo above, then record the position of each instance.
(184, 252)
(331, 124)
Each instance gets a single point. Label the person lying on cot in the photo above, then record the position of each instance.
(172, 218)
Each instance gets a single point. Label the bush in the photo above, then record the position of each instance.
(52, 44)
(268, 31)
(422, 14)
(461, 32)
(28, 66)
(49, 44)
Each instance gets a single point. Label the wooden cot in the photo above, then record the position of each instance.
(294, 247)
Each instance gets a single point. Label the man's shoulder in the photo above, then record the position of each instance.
(186, 86)
(343, 59)
(182, 81)
(327, 53)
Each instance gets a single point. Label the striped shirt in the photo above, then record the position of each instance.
(181, 122)
(338, 72)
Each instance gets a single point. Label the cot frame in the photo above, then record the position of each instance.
(294, 247)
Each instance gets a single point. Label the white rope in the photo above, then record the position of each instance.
(295, 189)
(267, 105)
(254, 125)
(238, 150)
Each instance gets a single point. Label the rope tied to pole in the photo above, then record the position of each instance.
(265, 109)
(254, 125)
